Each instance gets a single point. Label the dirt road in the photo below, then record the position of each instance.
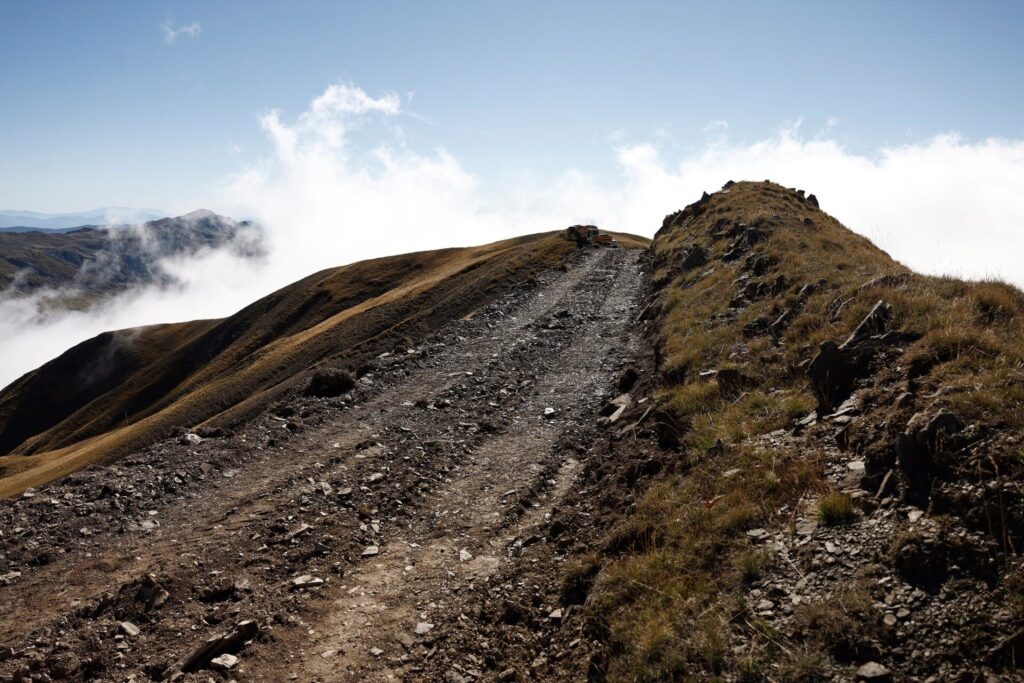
(357, 533)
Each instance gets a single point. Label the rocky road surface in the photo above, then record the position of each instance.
(331, 539)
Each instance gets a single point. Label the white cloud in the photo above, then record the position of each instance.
(172, 33)
(341, 185)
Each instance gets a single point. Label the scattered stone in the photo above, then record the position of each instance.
(376, 651)
(423, 628)
(190, 439)
(555, 615)
(508, 674)
(224, 643)
(129, 629)
(306, 581)
(224, 662)
(873, 671)
(549, 413)
(370, 551)
(465, 555)
(64, 665)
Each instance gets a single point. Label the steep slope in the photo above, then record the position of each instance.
(124, 389)
(86, 263)
(843, 438)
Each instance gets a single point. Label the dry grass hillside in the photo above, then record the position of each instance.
(124, 389)
(839, 490)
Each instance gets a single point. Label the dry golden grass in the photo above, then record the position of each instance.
(667, 580)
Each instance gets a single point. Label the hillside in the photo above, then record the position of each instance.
(755, 449)
(79, 266)
(124, 389)
(838, 491)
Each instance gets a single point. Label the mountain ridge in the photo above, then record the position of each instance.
(756, 449)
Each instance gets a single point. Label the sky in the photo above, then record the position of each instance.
(103, 106)
(354, 130)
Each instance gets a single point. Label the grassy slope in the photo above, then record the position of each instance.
(123, 389)
(668, 604)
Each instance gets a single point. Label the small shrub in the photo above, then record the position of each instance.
(835, 509)
(750, 565)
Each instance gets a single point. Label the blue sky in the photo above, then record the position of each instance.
(100, 109)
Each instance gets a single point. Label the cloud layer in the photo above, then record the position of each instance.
(341, 184)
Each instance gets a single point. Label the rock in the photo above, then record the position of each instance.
(306, 581)
(508, 674)
(64, 665)
(375, 477)
(225, 662)
(924, 438)
(297, 531)
(224, 643)
(904, 399)
(151, 593)
(835, 368)
(376, 651)
(330, 383)
(627, 380)
(555, 615)
(6, 653)
(830, 375)
(423, 628)
(874, 323)
(812, 200)
(695, 258)
(190, 439)
(452, 676)
(129, 629)
(873, 671)
(465, 555)
(370, 551)
(549, 413)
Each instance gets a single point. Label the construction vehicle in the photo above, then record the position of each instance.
(589, 235)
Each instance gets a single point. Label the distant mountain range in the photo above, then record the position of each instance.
(88, 263)
(21, 221)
